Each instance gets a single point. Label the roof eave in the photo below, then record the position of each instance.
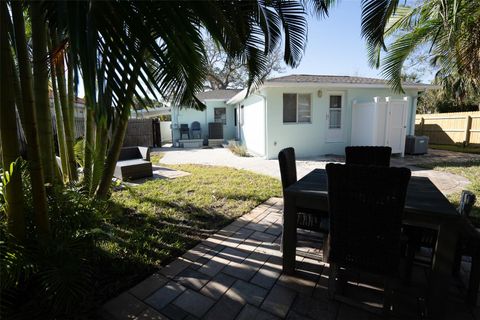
(276, 84)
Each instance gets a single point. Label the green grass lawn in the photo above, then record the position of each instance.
(154, 222)
(456, 148)
(470, 170)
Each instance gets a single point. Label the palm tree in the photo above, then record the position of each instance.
(451, 30)
(8, 133)
(29, 110)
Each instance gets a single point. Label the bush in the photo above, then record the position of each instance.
(238, 149)
(53, 278)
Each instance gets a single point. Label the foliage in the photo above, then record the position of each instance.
(448, 27)
(469, 170)
(438, 101)
(238, 149)
(224, 72)
(50, 278)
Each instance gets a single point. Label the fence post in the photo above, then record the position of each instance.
(468, 120)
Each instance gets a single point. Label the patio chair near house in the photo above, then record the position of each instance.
(368, 155)
(184, 130)
(468, 245)
(307, 219)
(196, 130)
(366, 207)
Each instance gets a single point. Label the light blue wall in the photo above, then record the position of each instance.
(309, 139)
(188, 115)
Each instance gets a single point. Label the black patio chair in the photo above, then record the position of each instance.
(366, 208)
(196, 130)
(184, 130)
(468, 245)
(419, 237)
(368, 155)
(307, 219)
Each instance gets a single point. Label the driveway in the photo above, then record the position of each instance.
(446, 182)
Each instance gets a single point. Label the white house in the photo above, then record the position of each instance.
(216, 111)
(320, 114)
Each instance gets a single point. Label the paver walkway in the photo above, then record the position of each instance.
(236, 274)
(446, 182)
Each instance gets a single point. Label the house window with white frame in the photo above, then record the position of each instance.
(297, 108)
(335, 109)
(220, 115)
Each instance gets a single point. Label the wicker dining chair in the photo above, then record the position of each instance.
(307, 219)
(366, 208)
(368, 155)
(419, 237)
(468, 245)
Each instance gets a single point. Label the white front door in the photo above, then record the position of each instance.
(397, 125)
(335, 117)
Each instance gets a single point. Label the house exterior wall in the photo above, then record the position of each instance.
(309, 139)
(252, 124)
(189, 115)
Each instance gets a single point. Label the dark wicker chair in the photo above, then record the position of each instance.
(468, 245)
(368, 155)
(184, 130)
(427, 238)
(366, 208)
(306, 218)
(196, 130)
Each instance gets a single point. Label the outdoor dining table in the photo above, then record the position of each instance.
(425, 206)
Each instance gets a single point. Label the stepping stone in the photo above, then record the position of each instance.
(194, 303)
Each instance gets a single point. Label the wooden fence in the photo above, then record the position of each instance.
(140, 132)
(449, 128)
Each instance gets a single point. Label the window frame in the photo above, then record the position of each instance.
(296, 108)
(215, 115)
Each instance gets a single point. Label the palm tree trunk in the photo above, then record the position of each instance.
(69, 119)
(33, 149)
(112, 156)
(99, 156)
(89, 144)
(59, 120)
(40, 87)
(117, 139)
(8, 135)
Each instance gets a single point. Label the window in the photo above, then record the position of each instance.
(297, 108)
(335, 108)
(220, 115)
(235, 116)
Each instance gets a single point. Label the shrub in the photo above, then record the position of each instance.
(51, 278)
(238, 149)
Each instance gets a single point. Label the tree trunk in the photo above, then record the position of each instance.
(59, 121)
(35, 167)
(69, 118)
(100, 150)
(40, 87)
(112, 157)
(8, 135)
(117, 139)
(89, 144)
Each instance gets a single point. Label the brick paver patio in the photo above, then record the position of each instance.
(236, 274)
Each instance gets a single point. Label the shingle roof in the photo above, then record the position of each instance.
(217, 94)
(307, 78)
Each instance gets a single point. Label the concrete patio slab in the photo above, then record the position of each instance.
(249, 284)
